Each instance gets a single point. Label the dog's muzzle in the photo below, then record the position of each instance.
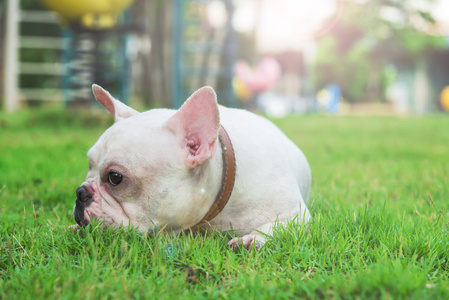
(83, 199)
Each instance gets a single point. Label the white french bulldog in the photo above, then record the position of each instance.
(161, 170)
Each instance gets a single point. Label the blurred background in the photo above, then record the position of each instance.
(274, 56)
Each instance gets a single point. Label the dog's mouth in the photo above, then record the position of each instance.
(78, 213)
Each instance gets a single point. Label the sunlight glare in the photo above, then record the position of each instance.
(284, 24)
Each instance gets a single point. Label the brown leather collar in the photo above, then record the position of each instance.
(228, 177)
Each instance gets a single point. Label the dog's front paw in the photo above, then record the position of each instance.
(247, 241)
(75, 228)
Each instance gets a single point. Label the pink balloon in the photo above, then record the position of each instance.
(265, 75)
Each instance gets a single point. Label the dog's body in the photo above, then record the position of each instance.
(162, 170)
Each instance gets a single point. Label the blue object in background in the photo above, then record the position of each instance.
(334, 102)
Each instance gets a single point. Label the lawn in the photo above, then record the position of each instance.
(379, 203)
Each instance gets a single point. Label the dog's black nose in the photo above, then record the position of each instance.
(82, 194)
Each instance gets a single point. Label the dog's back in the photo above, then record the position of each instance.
(273, 175)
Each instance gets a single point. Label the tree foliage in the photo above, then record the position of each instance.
(369, 36)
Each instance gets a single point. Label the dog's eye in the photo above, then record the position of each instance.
(115, 178)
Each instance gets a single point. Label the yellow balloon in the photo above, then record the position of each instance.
(242, 91)
(444, 98)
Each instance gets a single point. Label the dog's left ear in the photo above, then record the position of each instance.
(196, 124)
(114, 107)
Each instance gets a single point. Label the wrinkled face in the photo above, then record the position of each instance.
(134, 170)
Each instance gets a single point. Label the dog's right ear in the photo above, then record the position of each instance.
(196, 124)
(114, 107)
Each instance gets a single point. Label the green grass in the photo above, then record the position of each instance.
(379, 204)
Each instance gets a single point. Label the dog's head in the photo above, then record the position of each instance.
(145, 169)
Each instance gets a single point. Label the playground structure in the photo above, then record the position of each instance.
(94, 28)
(84, 58)
(93, 47)
(205, 49)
